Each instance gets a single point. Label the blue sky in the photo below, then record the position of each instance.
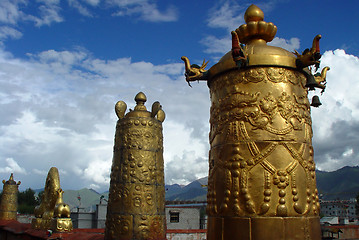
(65, 63)
(177, 28)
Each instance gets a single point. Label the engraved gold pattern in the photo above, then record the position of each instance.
(136, 197)
(261, 158)
(8, 206)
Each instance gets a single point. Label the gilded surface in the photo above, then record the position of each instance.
(52, 213)
(8, 206)
(261, 157)
(261, 182)
(47, 206)
(136, 197)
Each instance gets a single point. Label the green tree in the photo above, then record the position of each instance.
(26, 201)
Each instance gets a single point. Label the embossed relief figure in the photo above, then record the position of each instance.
(137, 197)
(261, 181)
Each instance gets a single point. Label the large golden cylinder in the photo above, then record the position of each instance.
(136, 207)
(261, 182)
(8, 206)
(262, 176)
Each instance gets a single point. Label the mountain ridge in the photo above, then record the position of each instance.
(340, 184)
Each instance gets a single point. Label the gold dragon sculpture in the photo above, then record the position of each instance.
(194, 72)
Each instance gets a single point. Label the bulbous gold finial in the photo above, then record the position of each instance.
(120, 109)
(140, 100)
(255, 28)
(253, 13)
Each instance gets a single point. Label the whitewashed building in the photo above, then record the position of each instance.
(338, 208)
(186, 216)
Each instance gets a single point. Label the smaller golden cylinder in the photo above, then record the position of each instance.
(136, 206)
(8, 206)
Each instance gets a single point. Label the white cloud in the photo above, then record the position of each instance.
(9, 32)
(145, 10)
(335, 123)
(64, 57)
(227, 15)
(10, 12)
(186, 160)
(220, 46)
(12, 167)
(13, 12)
(290, 45)
(216, 45)
(81, 8)
(180, 171)
(49, 13)
(58, 110)
(98, 171)
(39, 172)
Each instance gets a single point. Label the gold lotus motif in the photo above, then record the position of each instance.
(256, 30)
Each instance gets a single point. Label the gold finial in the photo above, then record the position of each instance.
(11, 180)
(255, 29)
(253, 13)
(120, 109)
(140, 101)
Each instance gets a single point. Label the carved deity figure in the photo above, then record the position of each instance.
(261, 182)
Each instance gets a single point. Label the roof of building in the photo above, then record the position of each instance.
(24, 231)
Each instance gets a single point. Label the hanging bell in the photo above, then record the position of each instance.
(315, 101)
(311, 83)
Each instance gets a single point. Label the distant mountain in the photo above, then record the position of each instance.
(86, 198)
(196, 190)
(172, 190)
(340, 184)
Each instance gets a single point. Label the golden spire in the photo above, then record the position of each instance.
(11, 177)
(140, 101)
(253, 13)
(255, 28)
